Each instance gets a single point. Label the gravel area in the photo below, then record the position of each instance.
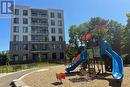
(48, 79)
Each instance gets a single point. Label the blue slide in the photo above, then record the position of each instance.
(117, 63)
(82, 58)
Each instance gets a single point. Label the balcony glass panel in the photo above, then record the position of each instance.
(39, 15)
(39, 31)
(40, 23)
(40, 48)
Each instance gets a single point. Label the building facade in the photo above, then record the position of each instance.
(37, 35)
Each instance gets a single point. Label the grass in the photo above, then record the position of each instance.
(14, 68)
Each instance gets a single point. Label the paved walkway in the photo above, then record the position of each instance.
(6, 79)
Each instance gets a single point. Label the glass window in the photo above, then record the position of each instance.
(16, 11)
(25, 21)
(52, 15)
(16, 20)
(59, 15)
(25, 12)
(59, 22)
(60, 30)
(16, 37)
(52, 30)
(25, 38)
(60, 46)
(60, 38)
(61, 55)
(25, 29)
(16, 29)
(52, 22)
(25, 46)
(15, 47)
(25, 57)
(53, 38)
(54, 46)
(16, 57)
(53, 55)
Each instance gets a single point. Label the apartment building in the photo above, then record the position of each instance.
(37, 35)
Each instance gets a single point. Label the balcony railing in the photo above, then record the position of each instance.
(39, 16)
(39, 24)
(39, 40)
(39, 32)
(40, 49)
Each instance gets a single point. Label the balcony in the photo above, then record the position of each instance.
(39, 24)
(39, 40)
(39, 15)
(39, 32)
(39, 48)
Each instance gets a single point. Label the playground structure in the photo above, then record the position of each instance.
(103, 60)
(89, 64)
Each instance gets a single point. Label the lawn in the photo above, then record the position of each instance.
(14, 68)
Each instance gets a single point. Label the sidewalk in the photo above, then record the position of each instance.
(3, 74)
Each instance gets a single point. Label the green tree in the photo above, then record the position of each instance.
(3, 58)
(115, 32)
(127, 33)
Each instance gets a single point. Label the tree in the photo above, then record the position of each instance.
(127, 33)
(115, 32)
(73, 35)
(3, 58)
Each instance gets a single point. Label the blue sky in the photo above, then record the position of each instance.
(75, 12)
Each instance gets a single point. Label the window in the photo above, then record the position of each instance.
(25, 12)
(34, 47)
(16, 37)
(16, 29)
(59, 22)
(52, 15)
(53, 55)
(16, 20)
(25, 29)
(25, 46)
(52, 30)
(16, 11)
(25, 21)
(54, 46)
(15, 57)
(60, 46)
(25, 57)
(61, 55)
(53, 38)
(52, 22)
(59, 15)
(15, 47)
(25, 38)
(60, 30)
(60, 38)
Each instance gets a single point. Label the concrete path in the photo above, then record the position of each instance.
(6, 79)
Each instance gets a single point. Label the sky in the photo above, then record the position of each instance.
(75, 13)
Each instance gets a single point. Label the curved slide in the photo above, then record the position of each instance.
(79, 59)
(117, 63)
